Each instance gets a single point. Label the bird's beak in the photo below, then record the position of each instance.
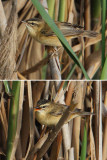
(37, 108)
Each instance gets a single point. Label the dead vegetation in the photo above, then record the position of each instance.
(32, 140)
(24, 58)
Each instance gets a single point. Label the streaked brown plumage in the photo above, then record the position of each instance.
(49, 113)
(41, 32)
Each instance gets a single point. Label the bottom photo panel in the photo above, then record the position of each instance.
(53, 120)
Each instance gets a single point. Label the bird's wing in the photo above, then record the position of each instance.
(67, 29)
(58, 111)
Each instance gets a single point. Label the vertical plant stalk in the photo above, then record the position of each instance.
(92, 141)
(84, 144)
(51, 5)
(19, 120)
(87, 26)
(13, 114)
(79, 98)
(100, 123)
(103, 29)
(56, 10)
(96, 17)
(65, 129)
(68, 135)
(31, 117)
(55, 68)
(105, 131)
(104, 71)
(62, 10)
(54, 61)
(96, 100)
(7, 87)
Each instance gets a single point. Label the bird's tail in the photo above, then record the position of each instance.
(78, 112)
(90, 34)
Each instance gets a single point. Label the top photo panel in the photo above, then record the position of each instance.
(53, 39)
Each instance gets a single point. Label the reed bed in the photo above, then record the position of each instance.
(22, 137)
(31, 60)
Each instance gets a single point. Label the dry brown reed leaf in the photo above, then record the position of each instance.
(56, 9)
(34, 58)
(29, 53)
(21, 35)
(22, 26)
(7, 8)
(100, 122)
(56, 147)
(19, 150)
(8, 46)
(3, 118)
(37, 90)
(20, 77)
(25, 125)
(70, 13)
(92, 61)
(4, 127)
(69, 95)
(46, 91)
(92, 142)
(32, 12)
(3, 20)
(36, 66)
(31, 118)
(87, 25)
(20, 4)
(59, 94)
(70, 92)
(55, 68)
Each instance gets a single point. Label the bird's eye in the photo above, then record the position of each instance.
(43, 106)
(32, 24)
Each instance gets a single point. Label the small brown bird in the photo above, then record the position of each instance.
(40, 31)
(49, 113)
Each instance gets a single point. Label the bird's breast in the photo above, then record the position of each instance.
(46, 119)
(48, 40)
